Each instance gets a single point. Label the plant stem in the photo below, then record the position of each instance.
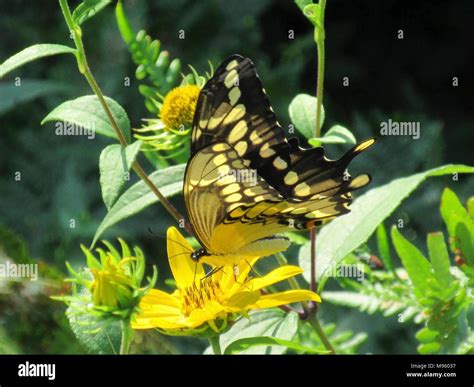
(320, 332)
(127, 334)
(215, 344)
(319, 37)
(312, 237)
(85, 70)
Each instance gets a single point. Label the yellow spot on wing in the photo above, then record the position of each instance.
(238, 132)
(302, 189)
(279, 163)
(266, 151)
(236, 113)
(231, 188)
(241, 147)
(220, 147)
(234, 95)
(233, 198)
(231, 79)
(231, 65)
(291, 178)
(255, 138)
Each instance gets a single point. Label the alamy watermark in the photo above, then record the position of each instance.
(402, 128)
(71, 129)
(248, 176)
(355, 271)
(10, 269)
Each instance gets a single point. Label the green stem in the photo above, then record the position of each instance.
(85, 70)
(127, 334)
(319, 37)
(320, 332)
(215, 344)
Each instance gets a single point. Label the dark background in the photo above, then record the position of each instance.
(406, 79)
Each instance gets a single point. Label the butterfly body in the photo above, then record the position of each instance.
(245, 183)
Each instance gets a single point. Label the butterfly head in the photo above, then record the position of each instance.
(196, 255)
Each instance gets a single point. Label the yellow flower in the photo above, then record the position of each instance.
(178, 107)
(211, 300)
(110, 286)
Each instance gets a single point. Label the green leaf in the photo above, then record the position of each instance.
(12, 95)
(417, 266)
(302, 111)
(313, 14)
(269, 323)
(32, 53)
(114, 164)
(465, 240)
(87, 112)
(451, 205)
(97, 336)
(138, 197)
(383, 247)
(87, 9)
(426, 335)
(429, 348)
(336, 135)
(470, 207)
(439, 257)
(124, 26)
(303, 3)
(251, 342)
(344, 234)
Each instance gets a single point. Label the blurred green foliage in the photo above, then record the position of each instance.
(61, 182)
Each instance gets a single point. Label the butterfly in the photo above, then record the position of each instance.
(245, 182)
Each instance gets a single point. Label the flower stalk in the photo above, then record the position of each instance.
(127, 335)
(214, 341)
(85, 70)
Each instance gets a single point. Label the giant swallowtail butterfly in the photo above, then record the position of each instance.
(245, 183)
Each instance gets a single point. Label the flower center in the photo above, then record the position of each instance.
(178, 107)
(198, 295)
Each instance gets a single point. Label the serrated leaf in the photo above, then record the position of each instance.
(97, 336)
(344, 234)
(248, 343)
(169, 181)
(87, 112)
(465, 240)
(272, 323)
(87, 9)
(383, 247)
(302, 111)
(439, 258)
(417, 266)
(450, 206)
(114, 163)
(32, 53)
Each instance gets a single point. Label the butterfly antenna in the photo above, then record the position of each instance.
(252, 270)
(167, 238)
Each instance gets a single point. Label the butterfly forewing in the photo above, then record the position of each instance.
(245, 182)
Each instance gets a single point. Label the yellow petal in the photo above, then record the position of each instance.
(241, 300)
(159, 298)
(284, 298)
(157, 323)
(185, 270)
(211, 311)
(279, 274)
